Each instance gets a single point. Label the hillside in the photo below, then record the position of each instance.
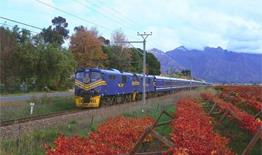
(213, 64)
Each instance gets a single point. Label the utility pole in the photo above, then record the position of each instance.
(144, 36)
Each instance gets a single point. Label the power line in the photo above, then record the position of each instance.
(70, 14)
(8, 25)
(15, 21)
(116, 20)
(114, 11)
(78, 17)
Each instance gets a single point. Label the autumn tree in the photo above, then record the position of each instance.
(119, 54)
(86, 48)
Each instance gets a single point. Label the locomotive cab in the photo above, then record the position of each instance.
(88, 87)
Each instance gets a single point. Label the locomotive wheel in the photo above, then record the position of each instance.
(107, 101)
(119, 99)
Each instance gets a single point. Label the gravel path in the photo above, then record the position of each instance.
(87, 116)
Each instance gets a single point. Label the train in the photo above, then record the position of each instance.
(95, 87)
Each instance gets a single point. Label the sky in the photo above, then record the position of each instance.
(235, 25)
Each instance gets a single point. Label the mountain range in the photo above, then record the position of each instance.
(214, 65)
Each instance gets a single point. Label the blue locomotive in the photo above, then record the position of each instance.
(94, 87)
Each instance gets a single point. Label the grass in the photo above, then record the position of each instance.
(33, 143)
(239, 138)
(43, 105)
(154, 112)
(18, 93)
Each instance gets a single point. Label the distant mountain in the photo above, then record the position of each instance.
(213, 64)
(166, 62)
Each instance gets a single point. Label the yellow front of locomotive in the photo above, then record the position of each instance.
(88, 87)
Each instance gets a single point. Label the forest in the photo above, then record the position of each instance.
(47, 60)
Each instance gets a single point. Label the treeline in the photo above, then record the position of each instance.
(44, 61)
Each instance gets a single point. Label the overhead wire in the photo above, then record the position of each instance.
(73, 15)
(115, 20)
(18, 22)
(8, 25)
(117, 12)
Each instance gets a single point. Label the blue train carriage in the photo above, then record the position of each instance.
(168, 84)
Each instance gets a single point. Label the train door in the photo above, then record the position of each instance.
(154, 83)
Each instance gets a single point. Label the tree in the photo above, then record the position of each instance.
(56, 33)
(104, 41)
(153, 65)
(186, 72)
(54, 68)
(8, 46)
(120, 56)
(118, 39)
(136, 60)
(86, 48)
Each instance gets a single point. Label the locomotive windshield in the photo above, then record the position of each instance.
(79, 75)
(83, 76)
(95, 76)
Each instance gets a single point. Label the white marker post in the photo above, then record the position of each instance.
(32, 107)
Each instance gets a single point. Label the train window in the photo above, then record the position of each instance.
(148, 80)
(135, 78)
(124, 79)
(79, 75)
(95, 76)
(112, 77)
(86, 78)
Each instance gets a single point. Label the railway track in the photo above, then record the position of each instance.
(50, 115)
(39, 117)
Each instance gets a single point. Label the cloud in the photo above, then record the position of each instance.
(197, 24)
(235, 25)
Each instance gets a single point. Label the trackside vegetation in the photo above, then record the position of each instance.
(47, 60)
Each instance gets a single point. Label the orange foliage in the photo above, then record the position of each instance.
(86, 48)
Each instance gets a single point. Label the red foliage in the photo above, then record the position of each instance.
(116, 136)
(247, 121)
(193, 132)
(250, 95)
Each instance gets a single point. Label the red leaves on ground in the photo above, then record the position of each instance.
(247, 121)
(115, 136)
(193, 132)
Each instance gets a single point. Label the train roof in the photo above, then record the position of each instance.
(178, 79)
(115, 71)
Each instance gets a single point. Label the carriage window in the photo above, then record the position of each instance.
(135, 78)
(112, 77)
(124, 79)
(148, 81)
